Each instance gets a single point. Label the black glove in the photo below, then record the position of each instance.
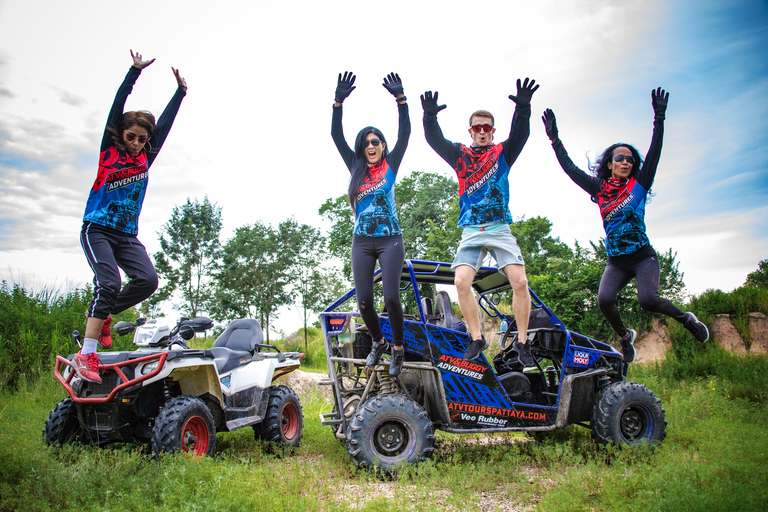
(524, 93)
(344, 88)
(429, 103)
(659, 99)
(550, 124)
(393, 84)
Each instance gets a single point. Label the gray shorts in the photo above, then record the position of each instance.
(496, 239)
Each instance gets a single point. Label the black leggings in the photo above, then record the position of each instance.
(644, 265)
(106, 250)
(390, 253)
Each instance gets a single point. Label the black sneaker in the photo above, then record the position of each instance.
(376, 350)
(524, 354)
(698, 329)
(475, 348)
(396, 366)
(628, 346)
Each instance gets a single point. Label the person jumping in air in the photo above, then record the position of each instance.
(483, 173)
(129, 145)
(619, 184)
(377, 236)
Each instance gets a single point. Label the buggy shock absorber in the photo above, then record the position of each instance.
(387, 384)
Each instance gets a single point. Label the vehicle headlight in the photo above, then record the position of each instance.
(143, 337)
(149, 368)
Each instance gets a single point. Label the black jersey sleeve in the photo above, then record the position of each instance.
(337, 133)
(648, 171)
(116, 112)
(164, 123)
(395, 157)
(518, 133)
(590, 184)
(449, 151)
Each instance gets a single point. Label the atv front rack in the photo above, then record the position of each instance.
(123, 380)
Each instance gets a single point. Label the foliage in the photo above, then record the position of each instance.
(36, 327)
(190, 247)
(339, 214)
(759, 278)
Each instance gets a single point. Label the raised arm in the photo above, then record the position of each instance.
(394, 85)
(647, 173)
(448, 150)
(164, 123)
(344, 88)
(521, 120)
(589, 183)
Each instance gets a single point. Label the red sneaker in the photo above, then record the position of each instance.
(105, 336)
(87, 366)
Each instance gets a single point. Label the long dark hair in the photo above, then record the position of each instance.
(600, 167)
(358, 174)
(143, 118)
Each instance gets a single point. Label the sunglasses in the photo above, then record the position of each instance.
(375, 142)
(621, 158)
(130, 137)
(477, 127)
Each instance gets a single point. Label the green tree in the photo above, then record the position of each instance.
(190, 247)
(252, 281)
(339, 238)
(759, 278)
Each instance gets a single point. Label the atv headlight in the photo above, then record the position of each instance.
(149, 368)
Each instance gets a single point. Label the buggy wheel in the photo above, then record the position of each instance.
(388, 430)
(62, 425)
(284, 421)
(184, 424)
(628, 413)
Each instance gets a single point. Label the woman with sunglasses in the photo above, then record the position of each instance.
(619, 184)
(129, 145)
(373, 171)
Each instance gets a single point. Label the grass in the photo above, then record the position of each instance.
(714, 458)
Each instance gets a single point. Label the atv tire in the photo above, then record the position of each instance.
(62, 425)
(628, 413)
(390, 430)
(184, 424)
(284, 422)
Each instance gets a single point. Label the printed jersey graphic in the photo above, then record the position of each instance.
(622, 206)
(118, 193)
(375, 213)
(483, 175)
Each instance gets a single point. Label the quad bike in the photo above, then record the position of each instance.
(389, 421)
(177, 398)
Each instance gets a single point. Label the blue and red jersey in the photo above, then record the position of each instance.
(374, 203)
(621, 202)
(117, 194)
(483, 172)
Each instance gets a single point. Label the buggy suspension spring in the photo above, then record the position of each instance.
(387, 384)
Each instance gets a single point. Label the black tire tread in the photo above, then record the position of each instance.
(271, 429)
(62, 425)
(614, 399)
(165, 433)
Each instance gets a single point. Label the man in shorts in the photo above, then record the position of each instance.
(483, 173)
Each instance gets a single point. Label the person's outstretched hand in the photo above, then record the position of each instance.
(550, 124)
(345, 86)
(179, 79)
(524, 93)
(138, 62)
(429, 103)
(659, 99)
(393, 84)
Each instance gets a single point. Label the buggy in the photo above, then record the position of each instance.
(386, 421)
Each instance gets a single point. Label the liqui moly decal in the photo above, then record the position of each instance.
(581, 358)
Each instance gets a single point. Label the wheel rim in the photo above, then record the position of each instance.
(391, 438)
(289, 420)
(194, 436)
(635, 423)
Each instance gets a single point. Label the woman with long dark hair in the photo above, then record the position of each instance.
(620, 183)
(129, 145)
(373, 171)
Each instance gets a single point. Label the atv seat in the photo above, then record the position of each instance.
(241, 335)
(237, 344)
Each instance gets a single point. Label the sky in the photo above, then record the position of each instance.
(253, 133)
